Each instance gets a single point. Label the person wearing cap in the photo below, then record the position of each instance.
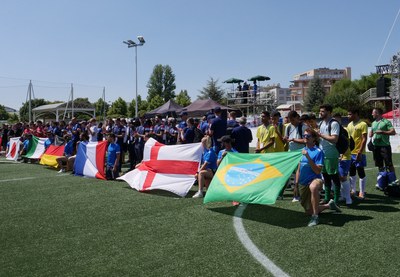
(242, 136)
(227, 144)
(217, 128)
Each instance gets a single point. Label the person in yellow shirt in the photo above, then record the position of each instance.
(265, 135)
(358, 130)
(279, 145)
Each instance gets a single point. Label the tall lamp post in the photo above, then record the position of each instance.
(130, 44)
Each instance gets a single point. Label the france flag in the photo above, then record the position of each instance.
(90, 159)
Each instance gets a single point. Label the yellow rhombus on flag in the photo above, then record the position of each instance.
(252, 178)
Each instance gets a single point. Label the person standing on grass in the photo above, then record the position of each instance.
(265, 135)
(328, 138)
(309, 179)
(344, 168)
(113, 158)
(294, 132)
(358, 130)
(217, 128)
(279, 145)
(380, 131)
(242, 136)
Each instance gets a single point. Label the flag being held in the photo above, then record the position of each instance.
(13, 149)
(166, 167)
(252, 178)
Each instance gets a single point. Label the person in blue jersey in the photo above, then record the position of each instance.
(309, 178)
(113, 158)
(68, 151)
(227, 147)
(217, 128)
(208, 168)
(242, 136)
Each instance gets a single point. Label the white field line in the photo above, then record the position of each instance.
(251, 247)
(17, 179)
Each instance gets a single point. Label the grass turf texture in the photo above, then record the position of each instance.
(62, 225)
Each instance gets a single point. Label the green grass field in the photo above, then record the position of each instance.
(61, 225)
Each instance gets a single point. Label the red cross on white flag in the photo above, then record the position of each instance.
(166, 167)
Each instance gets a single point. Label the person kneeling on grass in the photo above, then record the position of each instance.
(208, 168)
(309, 179)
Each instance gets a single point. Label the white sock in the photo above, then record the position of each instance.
(363, 182)
(345, 191)
(353, 180)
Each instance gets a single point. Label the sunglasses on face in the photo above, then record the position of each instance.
(307, 136)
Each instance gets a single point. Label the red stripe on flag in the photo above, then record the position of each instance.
(154, 150)
(100, 159)
(13, 150)
(166, 167)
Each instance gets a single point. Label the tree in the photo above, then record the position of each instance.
(13, 118)
(345, 99)
(4, 115)
(119, 108)
(82, 103)
(155, 102)
(132, 108)
(212, 90)
(24, 110)
(161, 83)
(101, 108)
(183, 98)
(315, 95)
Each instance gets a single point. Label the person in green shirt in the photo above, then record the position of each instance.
(380, 131)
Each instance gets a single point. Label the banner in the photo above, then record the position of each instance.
(52, 153)
(36, 148)
(166, 167)
(13, 149)
(252, 178)
(90, 159)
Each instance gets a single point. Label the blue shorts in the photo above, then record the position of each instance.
(362, 163)
(344, 167)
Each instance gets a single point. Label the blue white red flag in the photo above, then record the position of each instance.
(90, 159)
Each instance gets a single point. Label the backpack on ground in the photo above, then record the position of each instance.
(198, 135)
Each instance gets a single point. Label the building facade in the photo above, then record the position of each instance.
(328, 76)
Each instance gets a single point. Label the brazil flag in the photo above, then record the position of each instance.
(252, 178)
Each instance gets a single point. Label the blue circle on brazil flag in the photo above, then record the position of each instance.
(242, 174)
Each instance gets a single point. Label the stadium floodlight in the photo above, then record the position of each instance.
(141, 39)
(130, 44)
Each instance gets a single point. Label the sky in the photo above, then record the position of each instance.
(59, 43)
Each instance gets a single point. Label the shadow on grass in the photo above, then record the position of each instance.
(289, 219)
(157, 192)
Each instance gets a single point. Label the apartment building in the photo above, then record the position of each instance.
(328, 76)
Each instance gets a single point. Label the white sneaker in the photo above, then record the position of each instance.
(333, 206)
(296, 199)
(198, 194)
(62, 170)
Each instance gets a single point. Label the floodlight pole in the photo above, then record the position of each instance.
(130, 44)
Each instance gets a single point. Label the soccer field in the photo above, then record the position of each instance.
(62, 225)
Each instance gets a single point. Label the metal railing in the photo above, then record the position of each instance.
(371, 93)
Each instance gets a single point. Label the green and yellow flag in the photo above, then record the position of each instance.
(252, 178)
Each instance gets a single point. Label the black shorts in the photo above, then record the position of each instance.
(383, 155)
